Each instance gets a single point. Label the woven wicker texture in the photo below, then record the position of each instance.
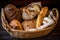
(24, 34)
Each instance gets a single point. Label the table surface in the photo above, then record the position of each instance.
(53, 35)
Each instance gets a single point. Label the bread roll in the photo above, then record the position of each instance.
(36, 6)
(29, 24)
(15, 24)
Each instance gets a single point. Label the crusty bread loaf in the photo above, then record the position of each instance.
(11, 12)
(41, 16)
(28, 14)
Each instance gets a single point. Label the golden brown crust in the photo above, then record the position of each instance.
(41, 16)
(29, 24)
(15, 24)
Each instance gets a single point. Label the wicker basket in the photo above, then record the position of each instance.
(24, 34)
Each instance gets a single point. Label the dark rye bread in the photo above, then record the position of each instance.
(11, 12)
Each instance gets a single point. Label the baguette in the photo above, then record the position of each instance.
(41, 16)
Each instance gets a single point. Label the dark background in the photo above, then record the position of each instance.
(54, 35)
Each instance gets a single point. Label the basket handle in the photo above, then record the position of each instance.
(56, 13)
